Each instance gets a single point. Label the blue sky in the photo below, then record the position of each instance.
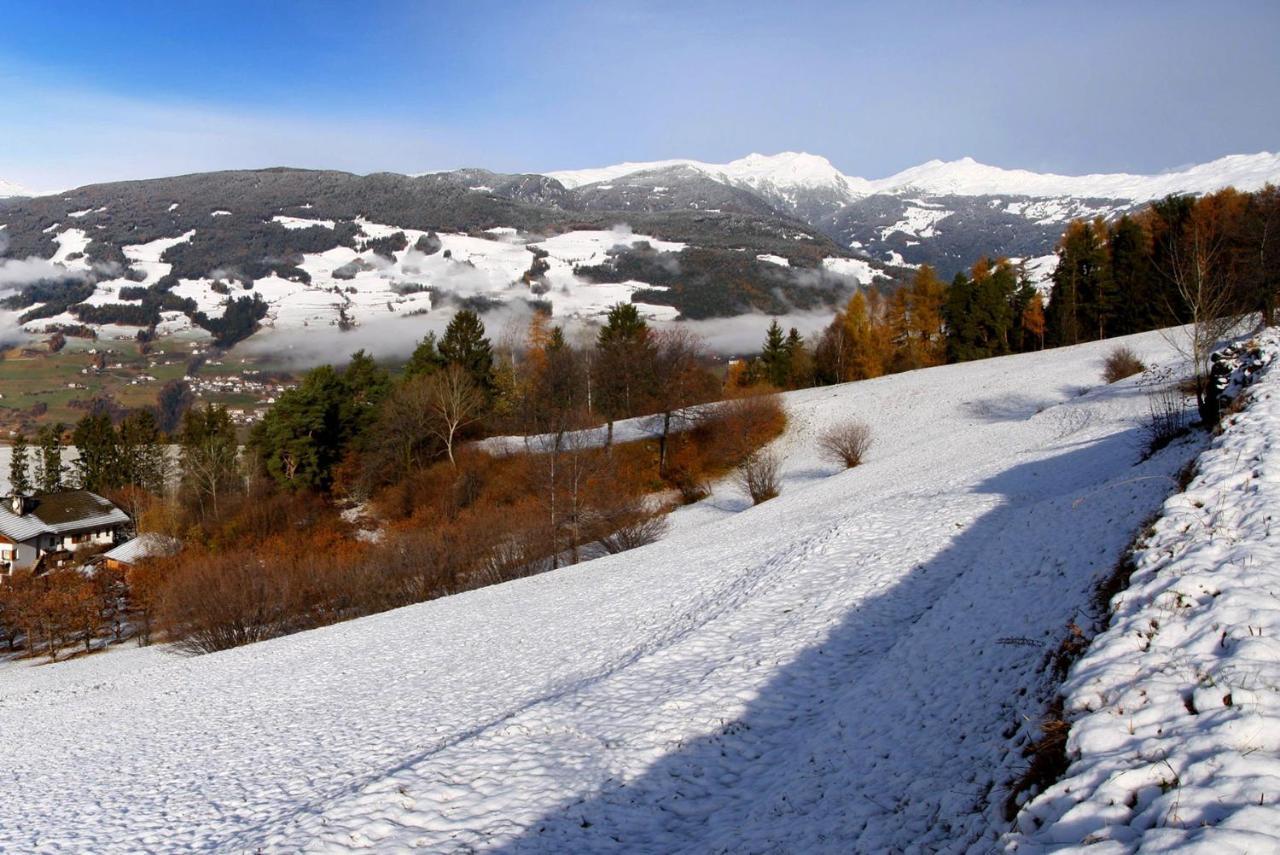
(97, 91)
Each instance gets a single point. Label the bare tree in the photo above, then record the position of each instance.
(1203, 293)
(453, 401)
(679, 383)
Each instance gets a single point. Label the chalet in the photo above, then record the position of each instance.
(33, 527)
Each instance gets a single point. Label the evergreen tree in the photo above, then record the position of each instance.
(426, 358)
(49, 469)
(1136, 305)
(961, 317)
(174, 401)
(367, 386)
(97, 467)
(623, 364)
(304, 436)
(19, 480)
(799, 362)
(141, 453)
(464, 344)
(1079, 302)
(775, 359)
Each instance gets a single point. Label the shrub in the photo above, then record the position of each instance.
(846, 443)
(758, 475)
(1167, 410)
(1120, 363)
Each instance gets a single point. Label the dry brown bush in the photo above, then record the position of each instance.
(1120, 363)
(219, 601)
(758, 475)
(846, 443)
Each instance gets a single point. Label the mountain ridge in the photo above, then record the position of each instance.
(964, 176)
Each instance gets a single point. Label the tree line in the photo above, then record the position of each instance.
(1182, 260)
(362, 488)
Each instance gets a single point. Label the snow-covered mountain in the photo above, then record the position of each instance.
(10, 189)
(682, 237)
(795, 172)
(944, 213)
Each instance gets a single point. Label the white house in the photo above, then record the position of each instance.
(32, 527)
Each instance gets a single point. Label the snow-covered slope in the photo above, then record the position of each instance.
(9, 188)
(967, 177)
(789, 169)
(963, 177)
(829, 671)
(1175, 736)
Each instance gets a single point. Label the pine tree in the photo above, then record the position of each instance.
(19, 480)
(624, 363)
(425, 358)
(1079, 302)
(960, 313)
(775, 358)
(464, 344)
(799, 361)
(1136, 306)
(97, 466)
(49, 469)
(141, 453)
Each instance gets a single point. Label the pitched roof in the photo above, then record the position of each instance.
(60, 513)
(143, 546)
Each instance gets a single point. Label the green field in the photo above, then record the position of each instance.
(38, 387)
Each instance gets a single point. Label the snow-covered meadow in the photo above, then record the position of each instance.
(853, 666)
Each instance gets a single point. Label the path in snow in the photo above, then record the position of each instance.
(823, 672)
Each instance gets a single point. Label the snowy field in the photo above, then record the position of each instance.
(1175, 739)
(850, 667)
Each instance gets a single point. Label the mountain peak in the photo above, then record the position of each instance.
(9, 188)
(789, 171)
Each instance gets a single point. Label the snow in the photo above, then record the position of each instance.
(917, 222)
(1040, 271)
(13, 189)
(774, 259)
(1175, 738)
(301, 223)
(220, 214)
(145, 257)
(71, 242)
(491, 267)
(790, 171)
(780, 172)
(859, 269)
(823, 672)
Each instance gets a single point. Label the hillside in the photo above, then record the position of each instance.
(331, 252)
(854, 665)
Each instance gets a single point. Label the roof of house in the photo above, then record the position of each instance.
(143, 546)
(60, 513)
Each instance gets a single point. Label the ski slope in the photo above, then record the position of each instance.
(849, 667)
